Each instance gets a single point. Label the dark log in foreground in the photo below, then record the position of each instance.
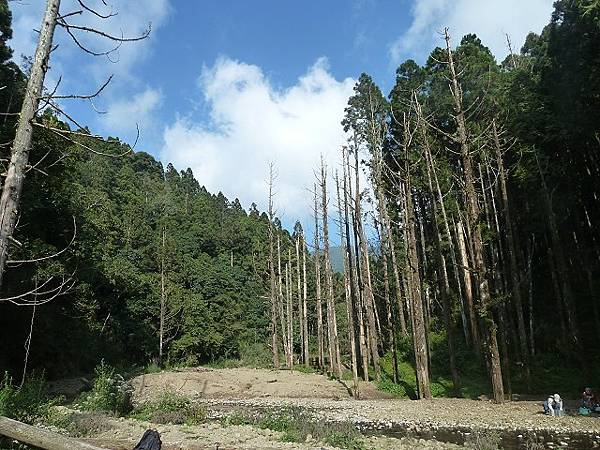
(49, 440)
(150, 441)
(39, 437)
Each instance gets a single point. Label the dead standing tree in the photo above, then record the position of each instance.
(335, 363)
(473, 216)
(19, 161)
(272, 276)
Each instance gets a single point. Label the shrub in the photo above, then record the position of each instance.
(483, 440)
(349, 441)
(27, 403)
(110, 392)
(170, 408)
(235, 418)
(297, 426)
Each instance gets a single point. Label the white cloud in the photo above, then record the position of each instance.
(126, 99)
(124, 114)
(491, 20)
(132, 19)
(252, 123)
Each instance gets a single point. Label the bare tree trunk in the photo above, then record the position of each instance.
(289, 309)
(357, 275)
(318, 285)
(335, 362)
(397, 282)
(418, 319)
(433, 180)
(272, 276)
(348, 289)
(300, 310)
(460, 237)
(282, 317)
(444, 288)
(473, 214)
(368, 299)
(305, 305)
(512, 253)
(13, 184)
(163, 298)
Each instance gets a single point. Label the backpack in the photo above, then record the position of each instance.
(150, 441)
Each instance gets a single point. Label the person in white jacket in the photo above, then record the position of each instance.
(554, 406)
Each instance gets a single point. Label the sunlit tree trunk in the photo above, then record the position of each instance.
(348, 288)
(272, 275)
(335, 362)
(10, 200)
(318, 285)
(280, 297)
(305, 305)
(300, 308)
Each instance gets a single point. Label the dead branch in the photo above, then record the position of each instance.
(45, 258)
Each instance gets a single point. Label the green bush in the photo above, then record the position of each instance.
(152, 367)
(483, 440)
(235, 418)
(27, 403)
(349, 441)
(297, 426)
(110, 392)
(170, 408)
(387, 385)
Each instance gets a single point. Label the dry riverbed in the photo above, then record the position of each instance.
(388, 423)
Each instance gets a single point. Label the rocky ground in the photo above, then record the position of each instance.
(123, 434)
(387, 422)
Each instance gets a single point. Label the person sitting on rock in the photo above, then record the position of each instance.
(588, 399)
(554, 406)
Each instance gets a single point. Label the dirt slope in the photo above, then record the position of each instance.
(243, 383)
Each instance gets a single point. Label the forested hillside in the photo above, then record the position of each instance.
(470, 261)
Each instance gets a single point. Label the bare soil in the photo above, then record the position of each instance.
(245, 383)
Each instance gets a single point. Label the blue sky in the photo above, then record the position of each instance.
(228, 86)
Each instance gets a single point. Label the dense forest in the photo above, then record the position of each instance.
(465, 204)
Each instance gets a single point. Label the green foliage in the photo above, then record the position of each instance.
(297, 425)
(27, 403)
(235, 418)
(345, 439)
(483, 440)
(308, 370)
(110, 392)
(172, 408)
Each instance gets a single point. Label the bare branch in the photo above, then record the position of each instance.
(64, 134)
(96, 13)
(81, 97)
(45, 258)
(69, 26)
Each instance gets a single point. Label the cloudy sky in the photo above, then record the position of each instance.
(227, 86)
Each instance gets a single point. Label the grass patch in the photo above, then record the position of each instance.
(235, 419)
(27, 403)
(297, 425)
(304, 369)
(170, 408)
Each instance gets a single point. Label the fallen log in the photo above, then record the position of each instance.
(39, 437)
